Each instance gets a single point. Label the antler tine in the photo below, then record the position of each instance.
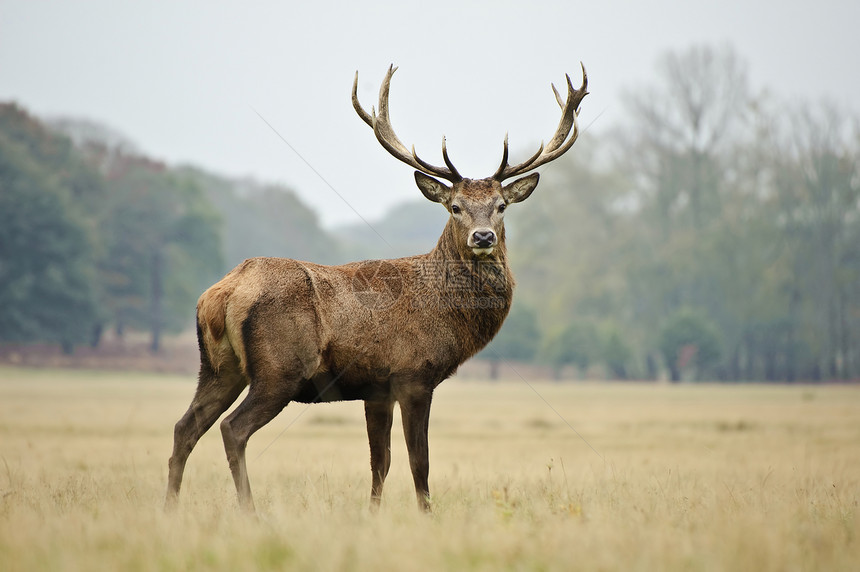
(447, 160)
(381, 124)
(505, 171)
(365, 116)
(559, 143)
(453, 176)
(504, 163)
(554, 90)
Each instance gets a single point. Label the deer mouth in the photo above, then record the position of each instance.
(486, 251)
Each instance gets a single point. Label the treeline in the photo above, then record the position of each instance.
(95, 235)
(715, 234)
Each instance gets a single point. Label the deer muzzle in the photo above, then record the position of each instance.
(482, 240)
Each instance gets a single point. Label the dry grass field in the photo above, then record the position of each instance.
(690, 477)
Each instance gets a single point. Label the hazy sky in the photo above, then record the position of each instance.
(185, 80)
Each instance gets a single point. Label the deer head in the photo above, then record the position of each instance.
(477, 206)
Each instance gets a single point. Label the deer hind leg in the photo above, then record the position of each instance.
(379, 416)
(261, 405)
(214, 394)
(415, 410)
(281, 350)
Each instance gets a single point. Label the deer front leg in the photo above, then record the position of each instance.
(379, 415)
(415, 410)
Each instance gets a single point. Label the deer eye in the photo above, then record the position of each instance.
(455, 209)
(502, 207)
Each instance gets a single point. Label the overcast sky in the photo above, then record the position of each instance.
(185, 81)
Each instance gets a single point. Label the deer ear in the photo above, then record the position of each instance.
(520, 189)
(432, 189)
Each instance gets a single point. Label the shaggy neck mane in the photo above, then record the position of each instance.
(475, 292)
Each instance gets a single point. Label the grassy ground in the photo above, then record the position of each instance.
(687, 477)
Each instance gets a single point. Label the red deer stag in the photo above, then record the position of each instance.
(381, 331)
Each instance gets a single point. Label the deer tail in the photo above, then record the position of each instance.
(212, 323)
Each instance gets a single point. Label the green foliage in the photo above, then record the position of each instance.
(689, 341)
(518, 339)
(47, 259)
(163, 246)
(559, 240)
(616, 353)
(577, 344)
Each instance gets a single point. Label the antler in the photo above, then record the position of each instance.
(557, 145)
(381, 125)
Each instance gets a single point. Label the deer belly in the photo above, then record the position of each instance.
(327, 387)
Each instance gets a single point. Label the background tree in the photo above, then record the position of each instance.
(47, 255)
(679, 129)
(615, 352)
(689, 341)
(816, 171)
(164, 246)
(578, 344)
(567, 248)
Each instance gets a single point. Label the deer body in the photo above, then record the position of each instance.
(316, 326)
(384, 332)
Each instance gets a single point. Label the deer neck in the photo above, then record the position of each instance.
(476, 291)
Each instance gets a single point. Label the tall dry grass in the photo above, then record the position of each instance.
(679, 478)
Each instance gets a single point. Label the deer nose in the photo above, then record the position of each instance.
(484, 238)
